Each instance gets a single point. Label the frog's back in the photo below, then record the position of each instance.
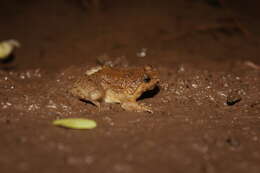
(119, 78)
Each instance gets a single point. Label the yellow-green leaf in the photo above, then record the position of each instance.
(75, 123)
(7, 47)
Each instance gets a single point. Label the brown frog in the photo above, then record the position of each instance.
(116, 85)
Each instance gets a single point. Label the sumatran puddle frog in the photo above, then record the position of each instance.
(116, 85)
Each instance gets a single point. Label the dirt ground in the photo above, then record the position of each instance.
(206, 113)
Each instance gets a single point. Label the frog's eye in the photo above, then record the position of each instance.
(146, 79)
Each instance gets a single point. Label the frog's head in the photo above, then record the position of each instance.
(147, 80)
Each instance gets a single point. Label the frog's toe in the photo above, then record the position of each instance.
(146, 108)
(133, 106)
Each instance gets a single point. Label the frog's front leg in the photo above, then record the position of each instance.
(134, 106)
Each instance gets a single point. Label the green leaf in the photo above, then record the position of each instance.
(75, 123)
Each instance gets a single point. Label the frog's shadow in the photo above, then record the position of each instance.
(149, 93)
(87, 102)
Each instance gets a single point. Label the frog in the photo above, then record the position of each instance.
(106, 84)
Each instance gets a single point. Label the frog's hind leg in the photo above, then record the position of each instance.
(134, 106)
(95, 97)
(97, 104)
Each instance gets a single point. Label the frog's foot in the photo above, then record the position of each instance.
(134, 106)
(96, 103)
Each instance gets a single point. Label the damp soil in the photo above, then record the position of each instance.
(206, 108)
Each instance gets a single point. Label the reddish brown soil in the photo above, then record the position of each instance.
(200, 52)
